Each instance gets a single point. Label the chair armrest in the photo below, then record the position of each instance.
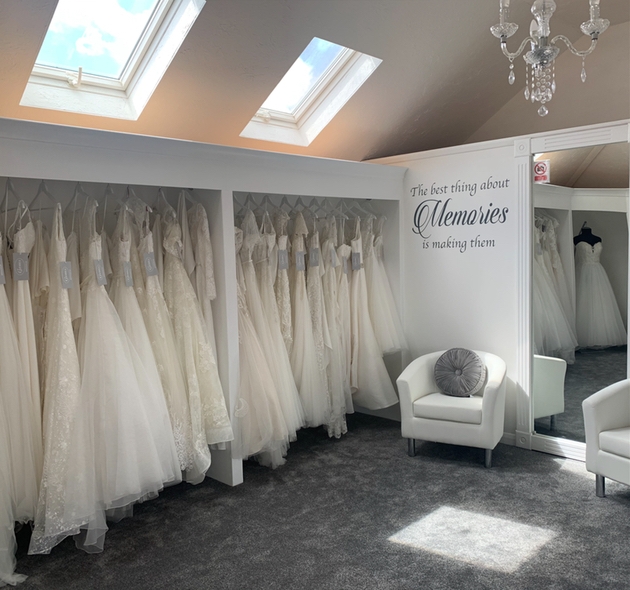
(494, 392)
(606, 409)
(417, 379)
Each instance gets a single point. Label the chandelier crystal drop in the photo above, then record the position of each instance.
(540, 60)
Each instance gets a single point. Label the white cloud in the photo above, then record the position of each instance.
(292, 88)
(109, 28)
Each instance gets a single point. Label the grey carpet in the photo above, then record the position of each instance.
(593, 370)
(323, 522)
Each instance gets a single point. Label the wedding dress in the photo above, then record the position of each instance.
(39, 285)
(22, 444)
(127, 462)
(186, 419)
(281, 286)
(7, 520)
(124, 299)
(311, 381)
(599, 322)
(203, 284)
(553, 335)
(368, 372)
(383, 313)
(74, 292)
(265, 258)
(338, 385)
(344, 253)
(23, 242)
(195, 353)
(262, 431)
(67, 498)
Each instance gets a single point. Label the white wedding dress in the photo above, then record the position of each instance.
(23, 242)
(281, 286)
(7, 520)
(383, 312)
(67, 498)
(599, 322)
(123, 297)
(338, 384)
(265, 257)
(311, 381)
(344, 253)
(128, 466)
(22, 438)
(186, 419)
(262, 430)
(39, 285)
(204, 284)
(195, 354)
(374, 389)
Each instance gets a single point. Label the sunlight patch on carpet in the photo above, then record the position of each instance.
(477, 539)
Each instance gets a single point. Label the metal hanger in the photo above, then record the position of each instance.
(43, 191)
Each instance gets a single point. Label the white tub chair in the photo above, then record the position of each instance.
(427, 414)
(607, 426)
(548, 387)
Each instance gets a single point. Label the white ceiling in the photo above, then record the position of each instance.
(443, 80)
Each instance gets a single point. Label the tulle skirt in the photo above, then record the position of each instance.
(599, 322)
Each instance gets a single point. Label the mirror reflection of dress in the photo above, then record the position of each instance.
(599, 322)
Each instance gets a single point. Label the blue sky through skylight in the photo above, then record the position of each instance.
(303, 75)
(97, 35)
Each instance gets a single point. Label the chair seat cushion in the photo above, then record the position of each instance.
(459, 372)
(437, 406)
(615, 441)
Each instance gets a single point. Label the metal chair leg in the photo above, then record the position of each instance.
(411, 447)
(600, 486)
(488, 458)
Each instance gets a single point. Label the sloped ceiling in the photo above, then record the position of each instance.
(443, 80)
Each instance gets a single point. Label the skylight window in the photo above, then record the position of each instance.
(106, 57)
(311, 93)
(99, 37)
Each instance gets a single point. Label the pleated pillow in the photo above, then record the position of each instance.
(460, 372)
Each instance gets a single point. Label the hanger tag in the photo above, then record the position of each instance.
(20, 266)
(128, 274)
(356, 261)
(3, 279)
(313, 257)
(334, 259)
(65, 271)
(99, 269)
(300, 262)
(283, 260)
(149, 264)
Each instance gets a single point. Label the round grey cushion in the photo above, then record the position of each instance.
(459, 372)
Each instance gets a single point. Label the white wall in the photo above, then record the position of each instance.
(460, 280)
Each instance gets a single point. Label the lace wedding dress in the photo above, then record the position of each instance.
(124, 299)
(22, 438)
(67, 498)
(344, 253)
(368, 372)
(262, 430)
(338, 385)
(186, 419)
(195, 354)
(281, 286)
(310, 379)
(203, 284)
(599, 322)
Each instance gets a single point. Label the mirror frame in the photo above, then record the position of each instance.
(524, 150)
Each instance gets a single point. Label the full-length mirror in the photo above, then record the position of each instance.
(580, 282)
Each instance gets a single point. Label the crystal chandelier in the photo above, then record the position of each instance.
(540, 59)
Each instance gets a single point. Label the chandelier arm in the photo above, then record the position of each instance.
(512, 56)
(572, 49)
